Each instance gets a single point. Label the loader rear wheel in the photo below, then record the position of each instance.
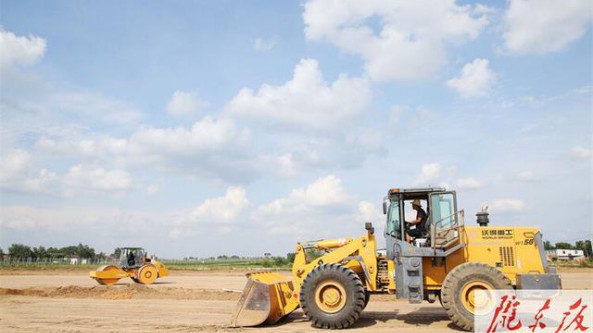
(332, 296)
(458, 293)
(147, 274)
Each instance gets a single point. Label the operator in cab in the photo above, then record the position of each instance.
(421, 216)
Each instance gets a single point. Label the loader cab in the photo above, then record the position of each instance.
(131, 257)
(439, 229)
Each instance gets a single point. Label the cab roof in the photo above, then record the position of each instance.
(411, 192)
(419, 190)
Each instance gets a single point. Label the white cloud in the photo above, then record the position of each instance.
(306, 100)
(185, 104)
(222, 209)
(205, 135)
(89, 108)
(429, 175)
(82, 177)
(211, 148)
(395, 114)
(216, 211)
(21, 217)
(323, 193)
(468, 183)
(398, 40)
(543, 26)
(16, 173)
(581, 153)
(262, 44)
(475, 81)
(15, 165)
(369, 212)
(507, 206)
(97, 224)
(153, 189)
(20, 50)
(83, 147)
(525, 176)
(44, 181)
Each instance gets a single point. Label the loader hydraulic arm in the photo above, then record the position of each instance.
(269, 296)
(359, 254)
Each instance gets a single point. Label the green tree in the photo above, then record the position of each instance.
(548, 245)
(20, 252)
(312, 254)
(585, 246)
(564, 246)
(117, 252)
(290, 257)
(39, 252)
(69, 250)
(54, 253)
(279, 261)
(85, 251)
(101, 256)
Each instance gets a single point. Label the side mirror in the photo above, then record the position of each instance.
(384, 207)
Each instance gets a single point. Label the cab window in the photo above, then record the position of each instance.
(443, 210)
(393, 220)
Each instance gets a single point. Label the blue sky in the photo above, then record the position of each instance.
(223, 127)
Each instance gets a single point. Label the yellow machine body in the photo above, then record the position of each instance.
(143, 270)
(268, 297)
(512, 250)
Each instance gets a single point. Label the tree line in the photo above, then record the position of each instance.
(21, 252)
(584, 245)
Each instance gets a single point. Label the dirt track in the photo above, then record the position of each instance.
(183, 302)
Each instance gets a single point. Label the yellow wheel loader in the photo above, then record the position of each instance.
(133, 264)
(444, 260)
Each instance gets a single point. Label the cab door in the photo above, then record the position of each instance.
(444, 219)
(393, 228)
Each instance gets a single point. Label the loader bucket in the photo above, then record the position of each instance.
(266, 298)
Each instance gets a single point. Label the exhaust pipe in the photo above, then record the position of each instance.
(482, 217)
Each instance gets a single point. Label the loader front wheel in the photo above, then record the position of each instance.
(459, 295)
(332, 296)
(367, 298)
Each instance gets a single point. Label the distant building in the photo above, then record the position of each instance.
(73, 260)
(559, 254)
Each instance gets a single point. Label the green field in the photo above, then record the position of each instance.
(194, 265)
(276, 263)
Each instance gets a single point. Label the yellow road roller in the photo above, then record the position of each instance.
(430, 255)
(134, 264)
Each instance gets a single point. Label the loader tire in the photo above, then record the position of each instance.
(332, 296)
(459, 287)
(367, 298)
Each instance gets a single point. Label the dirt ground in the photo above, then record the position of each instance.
(69, 301)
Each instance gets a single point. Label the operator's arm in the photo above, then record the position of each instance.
(419, 218)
